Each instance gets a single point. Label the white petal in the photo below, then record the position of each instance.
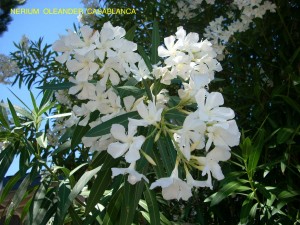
(117, 149)
(132, 155)
(214, 99)
(169, 42)
(216, 171)
(128, 102)
(162, 52)
(118, 171)
(219, 154)
(162, 182)
(118, 132)
(73, 65)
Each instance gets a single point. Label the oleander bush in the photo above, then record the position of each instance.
(186, 112)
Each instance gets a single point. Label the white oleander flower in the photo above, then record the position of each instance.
(171, 48)
(84, 66)
(141, 71)
(191, 135)
(64, 45)
(98, 144)
(88, 43)
(128, 144)
(150, 114)
(110, 71)
(223, 134)
(8, 69)
(211, 166)
(196, 183)
(82, 89)
(84, 112)
(189, 90)
(208, 106)
(133, 176)
(173, 187)
(164, 74)
(72, 120)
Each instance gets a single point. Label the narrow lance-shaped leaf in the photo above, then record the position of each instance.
(101, 183)
(254, 155)
(14, 114)
(130, 33)
(224, 192)
(113, 208)
(33, 103)
(3, 117)
(55, 87)
(104, 128)
(152, 206)
(6, 158)
(85, 178)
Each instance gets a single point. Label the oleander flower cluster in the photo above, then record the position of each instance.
(222, 28)
(219, 30)
(8, 69)
(102, 61)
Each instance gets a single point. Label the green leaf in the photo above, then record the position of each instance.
(85, 178)
(291, 102)
(284, 134)
(252, 212)
(287, 194)
(255, 153)
(167, 153)
(79, 132)
(129, 90)
(18, 196)
(6, 159)
(42, 204)
(67, 174)
(62, 147)
(20, 110)
(174, 114)
(149, 65)
(33, 103)
(145, 58)
(3, 117)
(46, 98)
(224, 192)
(14, 114)
(8, 186)
(113, 208)
(132, 195)
(45, 108)
(245, 210)
(130, 33)
(246, 147)
(155, 43)
(104, 128)
(41, 139)
(55, 87)
(100, 184)
(64, 191)
(76, 220)
(152, 206)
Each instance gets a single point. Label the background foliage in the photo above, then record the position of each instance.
(260, 81)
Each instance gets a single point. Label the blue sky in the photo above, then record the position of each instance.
(34, 27)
